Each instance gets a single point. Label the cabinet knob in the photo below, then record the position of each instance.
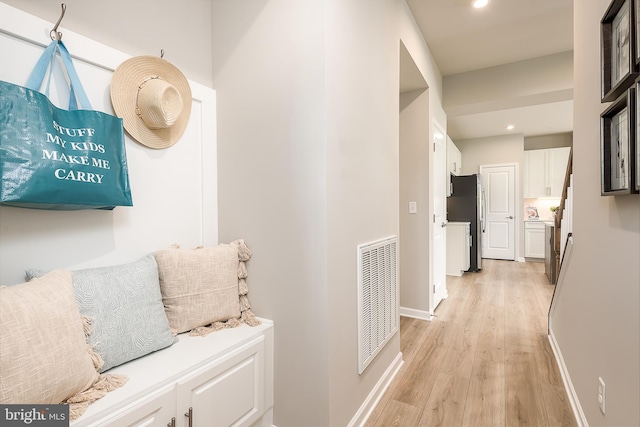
(510, 217)
(189, 416)
(172, 423)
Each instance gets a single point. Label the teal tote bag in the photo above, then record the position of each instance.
(57, 159)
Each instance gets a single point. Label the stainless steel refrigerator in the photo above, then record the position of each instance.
(466, 204)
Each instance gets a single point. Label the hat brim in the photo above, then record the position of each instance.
(124, 89)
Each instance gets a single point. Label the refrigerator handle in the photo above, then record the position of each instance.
(484, 211)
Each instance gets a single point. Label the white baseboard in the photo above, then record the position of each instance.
(367, 407)
(417, 314)
(568, 385)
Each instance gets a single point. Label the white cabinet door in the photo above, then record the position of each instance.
(225, 393)
(534, 240)
(558, 159)
(535, 182)
(544, 172)
(458, 248)
(454, 158)
(155, 410)
(454, 163)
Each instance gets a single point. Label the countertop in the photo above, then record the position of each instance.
(546, 221)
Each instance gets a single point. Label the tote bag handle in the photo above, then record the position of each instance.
(47, 60)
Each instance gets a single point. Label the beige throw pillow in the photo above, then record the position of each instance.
(44, 357)
(199, 286)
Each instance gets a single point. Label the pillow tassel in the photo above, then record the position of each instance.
(243, 288)
(95, 357)
(249, 318)
(215, 326)
(87, 325)
(244, 253)
(79, 403)
(242, 270)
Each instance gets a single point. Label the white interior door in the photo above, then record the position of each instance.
(439, 289)
(498, 236)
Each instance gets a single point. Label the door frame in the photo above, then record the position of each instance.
(518, 225)
(438, 167)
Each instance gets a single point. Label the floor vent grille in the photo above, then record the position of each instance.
(378, 316)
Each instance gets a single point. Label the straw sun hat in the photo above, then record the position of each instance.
(153, 98)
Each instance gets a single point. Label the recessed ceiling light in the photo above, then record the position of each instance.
(480, 3)
(510, 127)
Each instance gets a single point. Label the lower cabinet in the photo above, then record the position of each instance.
(223, 379)
(534, 240)
(458, 248)
(157, 410)
(225, 393)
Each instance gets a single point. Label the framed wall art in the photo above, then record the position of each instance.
(636, 146)
(636, 13)
(617, 139)
(618, 55)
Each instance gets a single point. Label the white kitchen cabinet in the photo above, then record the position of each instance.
(544, 172)
(458, 248)
(534, 240)
(454, 162)
(222, 379)
(454, 158)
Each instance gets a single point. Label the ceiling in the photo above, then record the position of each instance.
(464, 39)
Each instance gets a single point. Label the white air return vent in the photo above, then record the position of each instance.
(378, 316)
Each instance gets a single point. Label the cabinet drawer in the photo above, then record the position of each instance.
(532, 225)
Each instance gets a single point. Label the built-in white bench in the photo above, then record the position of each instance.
(222, 379)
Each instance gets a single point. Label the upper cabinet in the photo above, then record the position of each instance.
(454, 162)
(544, 172)
(454, 158)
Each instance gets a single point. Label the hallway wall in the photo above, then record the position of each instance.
(414, 186)
(597, 317)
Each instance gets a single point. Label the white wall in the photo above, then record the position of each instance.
(548, 141)
(362, 76)
(414, 186)
(269, 69)
(597, 317)
(309, 169)
(43, 239)
(540, 80)
(417, 48)
(140, 27)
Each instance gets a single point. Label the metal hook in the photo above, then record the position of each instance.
(161, 53)
(54, 34)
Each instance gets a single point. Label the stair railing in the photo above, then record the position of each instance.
(563, 220)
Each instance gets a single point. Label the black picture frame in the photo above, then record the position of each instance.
(636, 146)
(636, 18)
(618, 55)
(617, 146)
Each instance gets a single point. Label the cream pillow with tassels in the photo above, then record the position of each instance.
(44, 355)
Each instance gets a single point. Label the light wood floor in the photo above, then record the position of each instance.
(484, 361)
